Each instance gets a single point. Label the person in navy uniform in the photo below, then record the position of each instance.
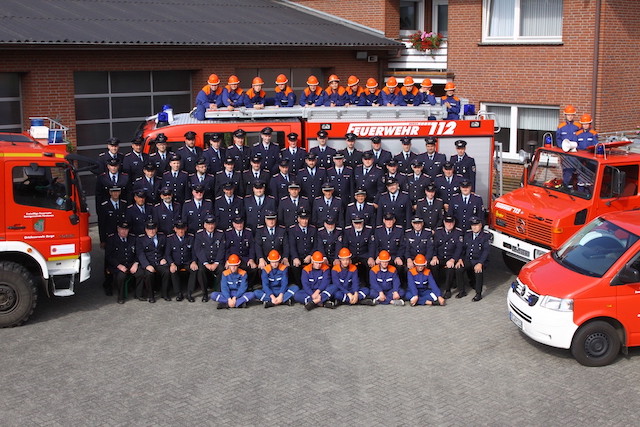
(335, 95)
(275, 288)
(285, 97)
(360, 241)
(405, 157)
(447, 184)
(311, 177)
(255, 97)
(229, 175)
(432, 161)
(161, 156)
(112, 178)
(327, 206)
(150, 248)
(323, 151)
(316, 287)
(302, 240)
(416, 182)
(384, 281)
(267, 150)
(256, 205)
(209, 97)
(215, 154)
(134, 161)
(586, 137)
(208, 248)
(451, 102)
(227, 207)
(179, 256)
(288, 206)
(390, 237)
(240, 241)
(361, 207)
(422, 288)
(426, 96)
(329, 240)
(352, 156)
(464, 165)
(476, 246)
(389, 92)
(233, 286)
(430, 208)
(112, 152)
(395, 202)
(279, 183)
(568, 127)
(447, 242)
(194, 211)
(167, 212)
(110, 213)
(344, 276)
(177, 180)
(189, 152)
(417, 240)
(370, 97)
(391, 171)
(341, 177)
(313, 94)
(201, 177)
(239, 152)
(253, 174)
(121, 258)
(380, 157)
(138, 213)
(149, 183)
(271, 236)
(293, 154)
(369, 177)
(409, 94)
(466, 205)
(233, 95)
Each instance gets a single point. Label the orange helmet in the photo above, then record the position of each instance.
(371, 83)
(273, 256)
(384, 256)
(333, 78)
(281, 79)
(450, 86)
(313, 80)
(408, 81)
(233, 259)
(352, 80)
(420, 260)
(569, 109)
(392, 82)
(213, 80)
(426, 83)
(344, 253)
(233, 80)
(257, 81)
(317, 257)
(585, 118)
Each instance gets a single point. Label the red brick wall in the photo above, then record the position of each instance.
(48, 88)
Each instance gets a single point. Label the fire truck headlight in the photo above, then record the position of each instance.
(557, 304)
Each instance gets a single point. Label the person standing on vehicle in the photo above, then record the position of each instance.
(409, 95)
(568, 127)
(451, 102)
(586, 137)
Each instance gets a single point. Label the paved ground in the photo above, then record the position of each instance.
(89, 361)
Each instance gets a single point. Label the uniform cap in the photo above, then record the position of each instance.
(233, 259)
(376, 140)
(360, 191)
(190, 135)
(327, 186)
(465, 183)
(449, 218)
(292, 136)
(420, 260)
(166, 191)
(258, 183)
(123, 224)
(303, 213)
(113, 162)
(161, 138)
(284, 163)
(460, 143)
(266, 131)
(430, 187)
(384, 256)
(388, 216)
(367, 155)
(140, 193)
(330, 220)
(430, 140)
(180, 224)
(417, 219)
(201, 161)
(474, 220)
(338, 155)
(405, 140)
(270, 215)
(311, 156)
(113, 141)
(175, 157)
(294, 184)
(229, 185)
(351, 136)
(238, 220)
(149, 167)
(239, 133)
(273, 256)
(137, 140)
(198, 188)
(115, 188)
(322, 134)
(447, 165)
(256, 159)
(392, 163)
(215, 137)
(356, 218)
(210, 219)
(229, 161)
(150, 225)
(391, 180)
(417, 163)
(317, 257)
(344, 253)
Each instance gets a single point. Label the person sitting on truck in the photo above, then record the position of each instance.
(121, 259)
(409, 95)
(586, 137)
(476, 245)
(255, 97)
(451, 102)
(232, 94)
(313, 95)
(285, 97)
(389, 92)
(335, 95)
(354, 90)
(426, 96)
(370, 97)
(233, 286)
(422, 288)
(568, 127)
(209, 97)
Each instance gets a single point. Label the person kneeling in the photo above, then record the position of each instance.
(422, 287)
(233, 286)
(275, 283)
(316, 288)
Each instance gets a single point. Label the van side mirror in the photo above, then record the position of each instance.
(618, 181)
(626, 275)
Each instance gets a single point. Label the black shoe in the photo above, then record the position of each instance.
(330, 304)
(205, 298)
(190, 298)
(367, 301)
(167, 298)
(222, 305)
(310, 305)
(120, 301)
(180, 297)
(108, 292)
(461, 294)
(141, 299)
(290, 302)
(152, 300)
(268, 304)
(478, 297)
(447, 295)
(243, 305)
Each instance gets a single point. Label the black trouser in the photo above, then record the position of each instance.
(175, 280)
(150, 279)
(439, 270)
(209, 279)
(476, 280)
(253, 279)
(120, 278)
(363, 270)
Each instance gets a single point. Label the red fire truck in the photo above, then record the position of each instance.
(390, 123)
(44, 239)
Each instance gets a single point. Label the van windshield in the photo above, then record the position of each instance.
(594, 249)
(564, 172)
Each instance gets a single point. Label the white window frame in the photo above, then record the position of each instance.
(434, 13)
(512, 154)
(419, 19)
(515, 38)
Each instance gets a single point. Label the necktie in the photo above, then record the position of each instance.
(175, 174)
(366, 171)
(163, 156)
(393, 198)
(259, 201)
(359, 207)
(142, 209)
(201, 178)
(466, 200)
(295, 202)
(210, 235)
(449, 180)
(377, 155)
(271, 231)
(322, 150)
(430, 202)
(123, 240)
(312, 173)
(388, 231)
(406, 155)
(180, 239)
(170, 207)
(293, 152)
(459, 158)
(151, 182)
(239, 234)
(115, 205)
(229, 175)
(229, 200)
(418, 234)
(474, 236)
(114, 179)
(304, 230)
(257, 175)
(431, 157)
(339, 171)
(286, 177)
(357, 234)
(198, 205)
(155, 242)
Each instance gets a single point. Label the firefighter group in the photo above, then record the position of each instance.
(322, 227)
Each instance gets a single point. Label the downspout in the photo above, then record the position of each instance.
(596, 63)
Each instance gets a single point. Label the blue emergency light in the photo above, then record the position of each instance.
(469, 110)
(548, 140)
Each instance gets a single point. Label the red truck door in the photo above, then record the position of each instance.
(628, 305)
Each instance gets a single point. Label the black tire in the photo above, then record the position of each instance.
(514, 265)
(596, 344)
(18, 294)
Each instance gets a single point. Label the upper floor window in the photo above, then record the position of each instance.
(411, 16)
(522, 21)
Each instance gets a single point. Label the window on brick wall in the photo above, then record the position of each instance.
(411, 16)
(297, 78)
(10, 103)
(522, 21)
(520, 124)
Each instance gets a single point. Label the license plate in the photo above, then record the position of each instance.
(515, 319)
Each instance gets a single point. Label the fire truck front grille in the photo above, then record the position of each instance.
(532, 228)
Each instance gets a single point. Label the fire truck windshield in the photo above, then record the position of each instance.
(564, 172)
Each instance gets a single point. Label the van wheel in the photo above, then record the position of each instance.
(596, 344)
(514, 265)
(18, 294)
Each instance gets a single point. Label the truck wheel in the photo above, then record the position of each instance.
(514, 265)
(596, 344)
(18, 294)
